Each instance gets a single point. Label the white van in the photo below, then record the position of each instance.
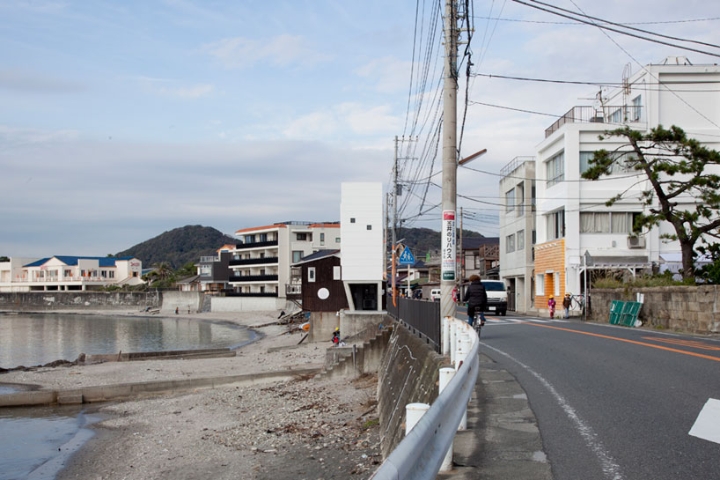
(435, 295)
(497, 296)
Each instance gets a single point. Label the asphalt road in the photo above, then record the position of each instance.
(613, 402)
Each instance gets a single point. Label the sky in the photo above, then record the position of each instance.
(121, 120)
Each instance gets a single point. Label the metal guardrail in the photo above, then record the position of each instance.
(420, 454)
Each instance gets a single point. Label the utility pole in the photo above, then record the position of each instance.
(448, 257)
(393, 246)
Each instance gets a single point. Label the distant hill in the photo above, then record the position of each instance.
(187, 244)
(179, 246)
(424, 240)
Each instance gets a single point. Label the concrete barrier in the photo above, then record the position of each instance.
(124, 391)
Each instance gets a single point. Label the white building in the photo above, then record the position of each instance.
(361, 217)
(571, 216)
(517, 229)
(64, 273)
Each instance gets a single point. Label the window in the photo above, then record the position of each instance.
(635, 113)
(540, 285)
(296, 255)
(337, 273)
(369, 227)
(520, 199)
(249, 238)
(556, 285)
(555, 169)
(616, 116)
(337, 239)
(510, 243)
(352, 220)
(521, 240)
(607, 222)
(510, 200)
(311, 274)
(68, 273)
(263, 237)
(622, 165)
(301, 237)
(322, 239)
(556, 225)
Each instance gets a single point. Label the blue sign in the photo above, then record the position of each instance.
(406, 257)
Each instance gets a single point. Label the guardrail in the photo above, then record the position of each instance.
(422, 453)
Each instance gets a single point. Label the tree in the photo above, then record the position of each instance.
(676, 167)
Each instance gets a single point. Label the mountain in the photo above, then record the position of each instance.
(423, 240)
(179, 246)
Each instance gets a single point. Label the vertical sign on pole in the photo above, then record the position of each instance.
(448, 266)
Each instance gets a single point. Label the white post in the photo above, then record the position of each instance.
(446, 374)
(446, 321)
(413, 413)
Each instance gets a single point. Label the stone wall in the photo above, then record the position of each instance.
(690, 309)
(79, 300)
(408, 373)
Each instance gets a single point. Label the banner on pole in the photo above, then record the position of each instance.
(449, 251)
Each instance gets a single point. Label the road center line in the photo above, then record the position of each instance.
(608, 465)
(634, 342)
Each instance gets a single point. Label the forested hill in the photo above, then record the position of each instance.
(179, 246)
(424, 240)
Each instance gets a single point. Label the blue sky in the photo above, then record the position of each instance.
(122, 120)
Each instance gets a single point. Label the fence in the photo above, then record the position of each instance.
(420, 316)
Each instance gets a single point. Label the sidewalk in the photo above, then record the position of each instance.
(502, 440)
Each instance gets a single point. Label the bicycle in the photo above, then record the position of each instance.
(477, 323)
(578, 303)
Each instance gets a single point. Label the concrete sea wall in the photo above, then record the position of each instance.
(88, 300)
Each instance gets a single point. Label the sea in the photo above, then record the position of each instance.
(36, 442)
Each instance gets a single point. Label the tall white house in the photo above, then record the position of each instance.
(574, 227)
(361, 219)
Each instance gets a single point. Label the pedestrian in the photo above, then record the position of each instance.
(476, 299)
(336, 337)
(177, 310)
(551, 306)
(566, 304)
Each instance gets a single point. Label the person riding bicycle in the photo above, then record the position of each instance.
(476, 299)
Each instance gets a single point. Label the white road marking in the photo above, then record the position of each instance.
(609, 467)
(707, 424)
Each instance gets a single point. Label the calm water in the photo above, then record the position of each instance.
(31, 340)
(36, 442)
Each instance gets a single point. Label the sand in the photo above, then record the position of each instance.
(307, 428)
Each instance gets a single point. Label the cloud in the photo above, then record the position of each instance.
(342, 120)
(36, 82)
(387, 74)
(281, 51)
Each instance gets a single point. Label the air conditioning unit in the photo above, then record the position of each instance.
(635, 242)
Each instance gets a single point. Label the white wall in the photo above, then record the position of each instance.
(361, 220)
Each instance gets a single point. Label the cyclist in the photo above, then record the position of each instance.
(476, 299)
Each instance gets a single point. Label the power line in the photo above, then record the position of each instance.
(661, 22)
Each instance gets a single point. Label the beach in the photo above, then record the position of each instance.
(306, 428)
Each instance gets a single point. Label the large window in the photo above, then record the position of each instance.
(619, 167)
(555, 169)
(297, 255)
(510, 243)
(556, 225)
(521, 239)
(510, 200)
(607, 222)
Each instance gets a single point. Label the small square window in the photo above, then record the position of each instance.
(369, 227)
(352, 220)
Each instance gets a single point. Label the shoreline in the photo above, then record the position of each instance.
(308, 428)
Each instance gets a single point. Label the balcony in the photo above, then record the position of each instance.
(254, 261)
(252, 278)
(614, 115)
(248, 246)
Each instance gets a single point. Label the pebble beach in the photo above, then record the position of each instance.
(309, 427)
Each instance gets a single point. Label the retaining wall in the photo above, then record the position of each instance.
(693, 309)
(79, 300)
(247, 304)
(408, 373)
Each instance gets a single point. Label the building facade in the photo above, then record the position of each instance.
(576, 232)
(66, 273)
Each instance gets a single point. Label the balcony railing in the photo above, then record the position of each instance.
(254, 261)
(247, 246)
(606, 114)
(253, 278)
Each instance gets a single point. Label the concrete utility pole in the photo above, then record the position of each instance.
(448, 231)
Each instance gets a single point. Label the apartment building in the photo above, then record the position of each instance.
(260, 263)
(65, 273)
(517, 228)
(575, 231)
